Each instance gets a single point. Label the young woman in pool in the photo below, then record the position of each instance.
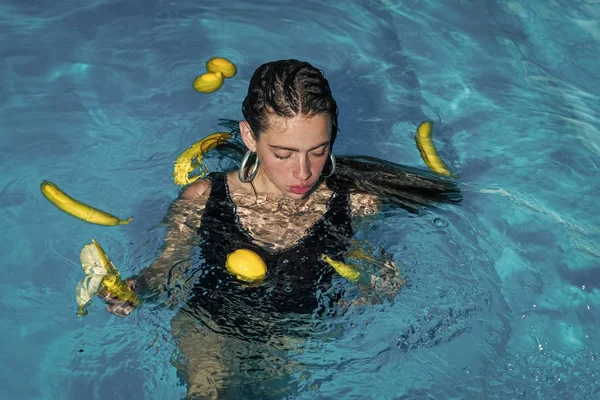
(291, 202)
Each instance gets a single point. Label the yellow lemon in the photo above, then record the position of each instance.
(209, 82)
(246, 265)
(221, 65)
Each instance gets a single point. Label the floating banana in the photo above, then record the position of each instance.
(341, 268)
(100, 273)
(185, 163)
(428, 152)
(78, 209)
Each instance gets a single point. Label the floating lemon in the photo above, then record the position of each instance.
(208, 82)
(246, 265)
(222, 65)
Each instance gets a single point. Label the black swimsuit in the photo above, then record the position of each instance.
(297, 280)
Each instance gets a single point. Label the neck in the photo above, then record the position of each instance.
(264, 186)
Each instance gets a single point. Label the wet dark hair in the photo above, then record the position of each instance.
(290, 88)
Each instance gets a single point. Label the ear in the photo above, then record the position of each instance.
(247, 136)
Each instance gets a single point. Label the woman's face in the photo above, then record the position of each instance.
(292, 153)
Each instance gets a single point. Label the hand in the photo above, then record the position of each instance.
(115, 306)
(383, 286)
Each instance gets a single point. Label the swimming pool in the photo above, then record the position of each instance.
(503, 291)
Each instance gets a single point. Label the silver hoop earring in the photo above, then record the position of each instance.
(252, 173)
(332, 158)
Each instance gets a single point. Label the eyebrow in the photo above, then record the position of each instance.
(294, 149)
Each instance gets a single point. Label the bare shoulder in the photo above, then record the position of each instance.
(188, 208)
(362, 204)
(198, 189)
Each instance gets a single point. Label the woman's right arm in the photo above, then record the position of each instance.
(178, 244)
(182, 222)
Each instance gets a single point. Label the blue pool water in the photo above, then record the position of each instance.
(503, 295)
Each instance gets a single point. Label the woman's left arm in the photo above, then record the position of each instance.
(386, 281)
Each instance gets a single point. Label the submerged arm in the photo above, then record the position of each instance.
(382, 280)
(182, 222)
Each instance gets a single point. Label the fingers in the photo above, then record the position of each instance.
(119, 309)
(130, 283)
(103, 293)
(115, 306)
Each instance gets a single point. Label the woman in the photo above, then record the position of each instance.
(293, 204)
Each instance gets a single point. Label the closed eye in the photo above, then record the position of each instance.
(320, 154)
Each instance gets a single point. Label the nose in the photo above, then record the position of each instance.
(302, 169)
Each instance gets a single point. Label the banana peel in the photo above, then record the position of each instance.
(191, 158)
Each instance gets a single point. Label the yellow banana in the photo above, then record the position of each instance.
(184, 164)
(78, 209)
(341, 268)
(428, 152)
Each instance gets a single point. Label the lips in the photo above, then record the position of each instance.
(300, 189)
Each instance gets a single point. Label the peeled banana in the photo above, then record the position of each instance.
(185, 164)
(100, 273)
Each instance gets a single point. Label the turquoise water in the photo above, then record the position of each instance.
(503, 295)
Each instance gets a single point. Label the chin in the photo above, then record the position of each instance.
(296, 196)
